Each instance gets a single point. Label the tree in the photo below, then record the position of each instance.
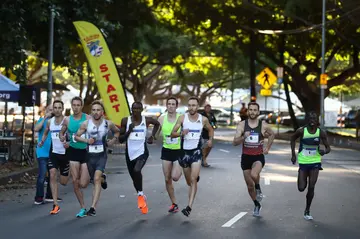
(299, 20)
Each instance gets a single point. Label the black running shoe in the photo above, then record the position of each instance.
(104, 184)
(186, 211)
(91, 212)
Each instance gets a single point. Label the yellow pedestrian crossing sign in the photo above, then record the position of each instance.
(266, 78)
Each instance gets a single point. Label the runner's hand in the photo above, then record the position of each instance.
(293, 159)
(322, 152)
(66, 145)
(91, 141)
(246, 134)
(131, 127)
(150, 140)
(185, 131)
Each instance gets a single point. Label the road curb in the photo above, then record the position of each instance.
(16, 175)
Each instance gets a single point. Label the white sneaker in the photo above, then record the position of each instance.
(307, 216)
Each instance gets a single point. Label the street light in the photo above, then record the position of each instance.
(322, 86)
(50, 60)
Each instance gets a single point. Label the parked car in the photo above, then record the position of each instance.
(154, 111)
(350, 121)
(223, 116)
(273, 116)
(300, 117)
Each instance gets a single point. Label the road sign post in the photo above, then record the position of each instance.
(280, 75)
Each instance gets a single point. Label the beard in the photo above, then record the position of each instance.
(253, 116)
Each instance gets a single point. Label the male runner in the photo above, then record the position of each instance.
(205, 134)
(57, 159)
(309, 157)
(192, 124)
(250, 133)
(171, 150)
(133, 131)
(42, 155)
(97, 129)
(76, 152)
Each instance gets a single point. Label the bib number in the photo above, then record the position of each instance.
(192, 136)
(170, 140)
(309, 152)
(55, 135)
(137, 135)
(96, 148)
(252, 138)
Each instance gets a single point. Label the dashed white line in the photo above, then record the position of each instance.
(267, 181)
(225, 151)
(234, 219)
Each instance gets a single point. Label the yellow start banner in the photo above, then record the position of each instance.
(103, 66)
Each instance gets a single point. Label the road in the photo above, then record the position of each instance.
(222, 208)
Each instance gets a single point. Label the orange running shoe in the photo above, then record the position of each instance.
(142, 205)
(55, 210)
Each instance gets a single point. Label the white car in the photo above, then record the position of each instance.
(154, 111)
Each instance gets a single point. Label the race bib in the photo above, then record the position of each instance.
(140, 135)
(193, 135)
(309, 152)
(170, 140)
(252, 138)
(55, 135)
(96, 148)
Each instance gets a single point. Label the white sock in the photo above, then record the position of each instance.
(140, 193)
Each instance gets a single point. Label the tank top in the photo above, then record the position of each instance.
(253, 145)
(57, 145)
(167, 127)
(309, 148)
(99, 134)
(193, 139)
(73, 127)
(135, 144)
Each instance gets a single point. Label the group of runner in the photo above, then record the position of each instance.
(79, 144)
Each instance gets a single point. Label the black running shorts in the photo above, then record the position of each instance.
(76, 155)
(59, 161)
(247, 161)
(189, 157)
(171, 155)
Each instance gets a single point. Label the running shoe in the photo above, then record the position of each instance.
(174, 208)
(256, 212)
(104, 183)
(186, 211)
(142, 205)
(82, 213)
(55, 210)
(91, 212)
(307, 216)
(39, 200)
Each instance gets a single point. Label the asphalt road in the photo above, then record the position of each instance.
(222, 207)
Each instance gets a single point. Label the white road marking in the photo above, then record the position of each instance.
(225, 151)
(267, 181)
(234, 219)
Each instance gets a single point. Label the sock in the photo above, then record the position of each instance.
(256, 203)
(140, 193)
(257, 186)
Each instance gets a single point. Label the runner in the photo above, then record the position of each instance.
(133, 132)
(192, 125)
(171, 150)
(205, 134)
(250, 133)
(76, 152)
(57, 159)
(96, 129)
(309, 157)
(42, 155)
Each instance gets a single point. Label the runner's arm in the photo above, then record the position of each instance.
(293, 139)
(239, 138)
(123, 134)
(161, 120)
(81, 131)
(64, 127)
(209, 128)
(268, 131)
(116, 132)
(324, 139)
(174, 132)
(39, 124)
(150, 120)
(46, 132)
